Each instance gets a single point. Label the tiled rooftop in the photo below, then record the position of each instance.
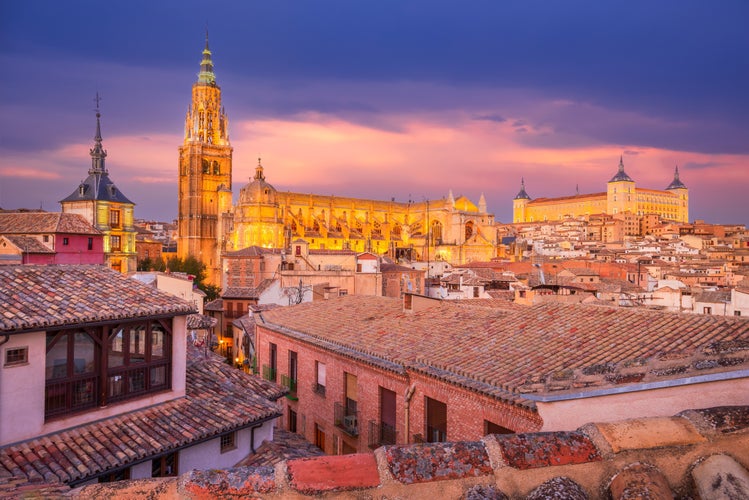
(219, 398)
(235, 292)
(28, 244)
(701, 454)
(476, 343)
(44, 222)
(285, 446)
(41, 297)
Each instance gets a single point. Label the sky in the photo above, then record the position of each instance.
(384, 99)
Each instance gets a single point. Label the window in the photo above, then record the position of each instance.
(475, 292)
(115, 243)
(269, 370)
(319, 437)
(16, 356)
(66, 241)
(292, 420)
(164, 466)
(436, 420)
(228, 442)
(737, 313)
(319, 378)
(126, 361)
(90, 243)
(707, 310)
(342, 292)
(387, 416)
(114, 218)
(118, 475)
(290, 380)
(492, 428)
(45, 238)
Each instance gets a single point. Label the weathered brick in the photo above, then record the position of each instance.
(721, 477)
(437, 461)
(562, 488)
(242, 482)
(543, 449)
(333, 473)
(640, 481)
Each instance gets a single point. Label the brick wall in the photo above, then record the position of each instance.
(467, 411)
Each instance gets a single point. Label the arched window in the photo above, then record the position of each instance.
(436, 233)
(469, 229)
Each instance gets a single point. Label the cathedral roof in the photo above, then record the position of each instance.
(258, 191)
(621, 175)
(522, 195)
(676, 183)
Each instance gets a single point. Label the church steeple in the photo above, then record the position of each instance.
(522, 195)
(206, 75)
(97, 152)
(676, 183)
(621, 175)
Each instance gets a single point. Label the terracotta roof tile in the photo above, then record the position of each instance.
(37, 297)
(28, 244)
(45, 222)
(219, 398)
(563, 345)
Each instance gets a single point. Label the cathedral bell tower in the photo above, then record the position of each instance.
(205, 175)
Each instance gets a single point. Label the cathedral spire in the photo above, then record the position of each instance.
(206, 75)
(97, 152)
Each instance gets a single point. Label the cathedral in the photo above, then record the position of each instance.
(451, 229)
(621, 197)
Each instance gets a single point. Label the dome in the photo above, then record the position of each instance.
(258, 191)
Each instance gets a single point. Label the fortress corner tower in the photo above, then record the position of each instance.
(205, 164)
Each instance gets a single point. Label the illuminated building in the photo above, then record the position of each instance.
(204, 174)
(451, 229)
(621, 199)
(106, 208)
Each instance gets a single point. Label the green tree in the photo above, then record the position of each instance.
(192, 266)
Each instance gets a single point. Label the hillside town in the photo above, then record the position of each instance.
(281, 344)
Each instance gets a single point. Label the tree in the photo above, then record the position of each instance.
(192, 266)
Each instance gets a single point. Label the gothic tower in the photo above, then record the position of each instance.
(205, 175)
(103, 205)
(621, 196)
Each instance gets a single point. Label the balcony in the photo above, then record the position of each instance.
(269, 373)
(346, 419)
(289, 383)
(380, 434)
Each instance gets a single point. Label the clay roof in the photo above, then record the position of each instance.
(214, 305)
(397, 268)
(253, 251)
(285, 446)
(28, 244)
(45, 222)
(218, 399)
(699, 453)
(246, 292)
(200, 322)
(43, 297)
(477, 347)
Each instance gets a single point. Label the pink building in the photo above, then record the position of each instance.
(68, 239)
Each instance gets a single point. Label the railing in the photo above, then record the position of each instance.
(380, 434)
(70, 395)
(269, 373)
(346, 419)
(290, 383)
(318, 389)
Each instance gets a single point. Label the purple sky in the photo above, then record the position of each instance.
(385, 99)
